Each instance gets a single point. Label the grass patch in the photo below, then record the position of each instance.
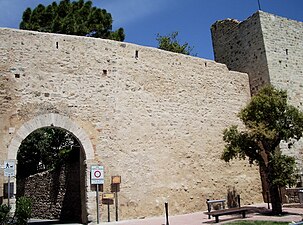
(257, 223)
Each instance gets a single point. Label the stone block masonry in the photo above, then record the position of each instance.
(153, 117)
(55, 194)
(270, 49)
(240, 46)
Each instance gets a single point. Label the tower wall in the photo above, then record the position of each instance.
(240, 46)
(270, 49)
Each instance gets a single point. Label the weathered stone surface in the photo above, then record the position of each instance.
(269, 48)
(54, 194)
(156, 120)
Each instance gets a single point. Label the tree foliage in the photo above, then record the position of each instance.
(171, 43)
(44, 149)
(75, 18)
(268, 120)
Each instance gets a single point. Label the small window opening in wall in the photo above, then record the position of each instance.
(137, 54)
(104, 72)
(57, 45)
(286, 51)
(17, 75)
(205, 64)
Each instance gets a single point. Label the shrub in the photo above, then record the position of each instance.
(232, 200)
(4, 214)
(23, 210)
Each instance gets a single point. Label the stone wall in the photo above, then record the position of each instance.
(156, 119)
(55, 194)
(240, 46)
(46, 190)
(269, 48)
(284, 54)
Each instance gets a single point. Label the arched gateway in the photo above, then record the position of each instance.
(62, 122)
(48, 120)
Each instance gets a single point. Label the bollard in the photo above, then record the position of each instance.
(239, 201)
(166, 213)
(267, 196)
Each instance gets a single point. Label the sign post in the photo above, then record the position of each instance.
(9, 170)
(116, 181)
(108, 199)
(97, 177)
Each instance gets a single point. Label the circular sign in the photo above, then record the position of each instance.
(97, 173)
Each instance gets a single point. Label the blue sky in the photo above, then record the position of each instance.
(144, 19)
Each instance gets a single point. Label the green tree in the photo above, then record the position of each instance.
(171, 43)
(268, 120)
(44, 149)
(75, 18)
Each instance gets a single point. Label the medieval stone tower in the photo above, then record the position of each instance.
(269, 49)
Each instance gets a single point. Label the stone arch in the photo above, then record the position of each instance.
(47, 120)
(64, 122)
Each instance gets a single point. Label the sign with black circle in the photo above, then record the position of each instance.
(97, 174)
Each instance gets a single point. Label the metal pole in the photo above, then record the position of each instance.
(208, 207)
(166, 213)
(259, 4)
(108, 212)
(116, 201)
(239, 201)
(97, 200)
(8, 191)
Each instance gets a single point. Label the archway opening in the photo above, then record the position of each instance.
(51, 172)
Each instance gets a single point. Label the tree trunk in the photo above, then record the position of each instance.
(275, 199)
(274, 192)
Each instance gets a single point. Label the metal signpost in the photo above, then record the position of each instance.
(9, 170)
(116, 181)
(97, 177)
(108, 199)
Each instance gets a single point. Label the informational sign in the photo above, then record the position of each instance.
(97, 175)
(116, 179)
(9, 168)
(108, 196)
